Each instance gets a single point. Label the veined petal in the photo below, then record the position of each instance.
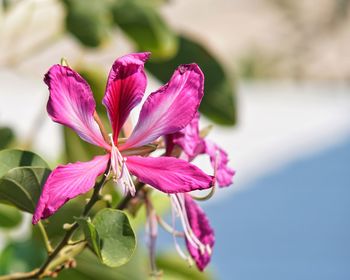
(169, 174)
(170, 108)
(125, 88)
(71, 103)
(201, 228)
(193, 145)
(67, 182)
(219, 160)
(189, 139)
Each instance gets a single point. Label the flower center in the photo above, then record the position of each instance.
(121, 173)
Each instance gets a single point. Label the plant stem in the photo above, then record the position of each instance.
(45, 238)
(125, 201)
(41, 272)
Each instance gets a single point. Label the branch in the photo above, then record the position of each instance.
(41, 272)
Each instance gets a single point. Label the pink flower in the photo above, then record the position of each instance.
(198, 234)
(193, 145)
(165, 111)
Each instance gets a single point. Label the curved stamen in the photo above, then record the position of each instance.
(169, 228)
(190, 236)
(212, 190)
(201, 246)
(177, 246)
(120, 170)
(207, 196)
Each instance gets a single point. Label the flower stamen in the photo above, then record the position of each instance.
(181, 253)
(178, 204)
(120, 170)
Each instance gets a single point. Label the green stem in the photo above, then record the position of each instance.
(41, 272)
(94, 198)
(46, 240)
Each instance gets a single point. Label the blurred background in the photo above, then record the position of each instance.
(277, 89)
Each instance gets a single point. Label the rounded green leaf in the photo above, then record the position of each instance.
(116, 237)
(10, 217)
(21, 187)
(91, 234)
(22, 175)
(218, 102)
(15, 158)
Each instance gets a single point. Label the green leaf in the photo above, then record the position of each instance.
(115, 239)
(144, 25)
(91, 235)
(15, 158)
(6, 137)
(218, 102)
(10, 217)
(21, 187)
(22, 175)
(88, 22)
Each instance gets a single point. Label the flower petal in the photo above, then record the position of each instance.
(125, 88)
(67, 182)
(202, 229)
(170, 108)
(169, 174)
(224, 174)
(193, 145)
(188, 139)
(71, 103)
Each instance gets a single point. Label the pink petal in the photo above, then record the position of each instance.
(224, 174)
(188, 139)
(67, 182)
(170, 108)
(125, 88)
(71, 103)
(169, 174)
(202, 229)
(193, 145)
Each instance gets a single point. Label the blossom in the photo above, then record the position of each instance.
(197, 231)
(166, 111)
(192, 145)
